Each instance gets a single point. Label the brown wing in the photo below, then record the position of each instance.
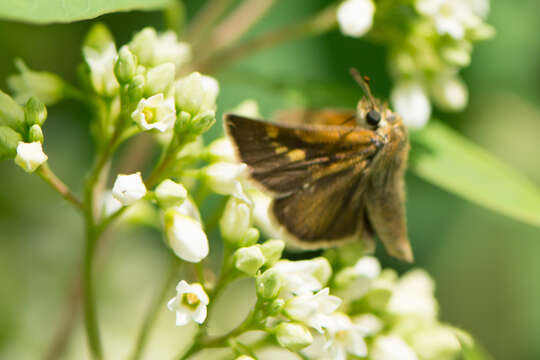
(338, 117)
(284, 158)
(317, 172)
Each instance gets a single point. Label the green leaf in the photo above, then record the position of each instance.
(40, 11)
(443, 157)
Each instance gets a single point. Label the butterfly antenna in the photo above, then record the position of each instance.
(363, 81)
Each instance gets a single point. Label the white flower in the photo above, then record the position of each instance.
(369, 323)
(391, 348)
(303, 277)
(189, 303)
(30, 156)
(110, 203)
(261, 207)
(196, 93)
(189, 208)
(167, 48)
(249, 259)
(355, 17)
(312, 309)
(153, 49)
(185, 236)
(129, 188)
(435, 342)
(235, 221)
(452, 17)
(159, 79)
(449, 92)
(354, 282)
(101, 64)
(413, 295)
(224, 178)
(342, 338)
(155, 113)
(222, 149)
(411, 103)
(293, 337)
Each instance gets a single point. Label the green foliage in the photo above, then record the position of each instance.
(41, 12)
(445, 158)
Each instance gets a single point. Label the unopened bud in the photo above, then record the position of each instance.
(159, 79)
(272, 250)
(248, 259)
(169, 193)
(126, 65)
(235, 221)
(35, 134)
(268, 284)
(293, 336)
(35, 112)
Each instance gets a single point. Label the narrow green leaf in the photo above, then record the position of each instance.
(40, 11)
(447, 159)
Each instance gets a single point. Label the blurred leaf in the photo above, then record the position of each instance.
(443, 157)
(39, 11)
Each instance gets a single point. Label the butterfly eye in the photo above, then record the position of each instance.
(373, 118)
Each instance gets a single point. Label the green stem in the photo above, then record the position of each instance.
(154, 309)
(90, 311)
(50, 178)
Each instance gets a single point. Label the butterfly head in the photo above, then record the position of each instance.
(370, 111)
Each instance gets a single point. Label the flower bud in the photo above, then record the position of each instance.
(221, 149)
(98, 37)
(355, 17)
(35, 112)
(129, 188)
(142, 45)
(235, 221)
(35, 134)
(9, 139)
(268, 284)
(169, 193)
(185, 236)
(155, 112)
(11, 113)
(46, 86)
(203, 121)
(126, 65)
(222, 177)
(272, 250)
(101, 65)
(159, 79)
(167, 48)
(250, 237)
(449, 92)
(249, 259)
(196, 93)
(135, 89)
(411, 103)
(30, 156)
(292, 336)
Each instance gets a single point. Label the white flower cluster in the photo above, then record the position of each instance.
(426, 51)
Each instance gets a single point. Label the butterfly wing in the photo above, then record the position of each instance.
(317, 173)
(337, 117)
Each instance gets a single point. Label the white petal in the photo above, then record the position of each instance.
(182, 318)
(30, 156)
(198, 290)
(391, 348)
(368, 266)
(411, 102)
(355, 17)
(129, 188)
(183, 287)
(187, 238)
(200, 314)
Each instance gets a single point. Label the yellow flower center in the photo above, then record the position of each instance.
(191, 300)
(149, 114)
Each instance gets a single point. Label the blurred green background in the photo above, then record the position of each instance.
(486, 266)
